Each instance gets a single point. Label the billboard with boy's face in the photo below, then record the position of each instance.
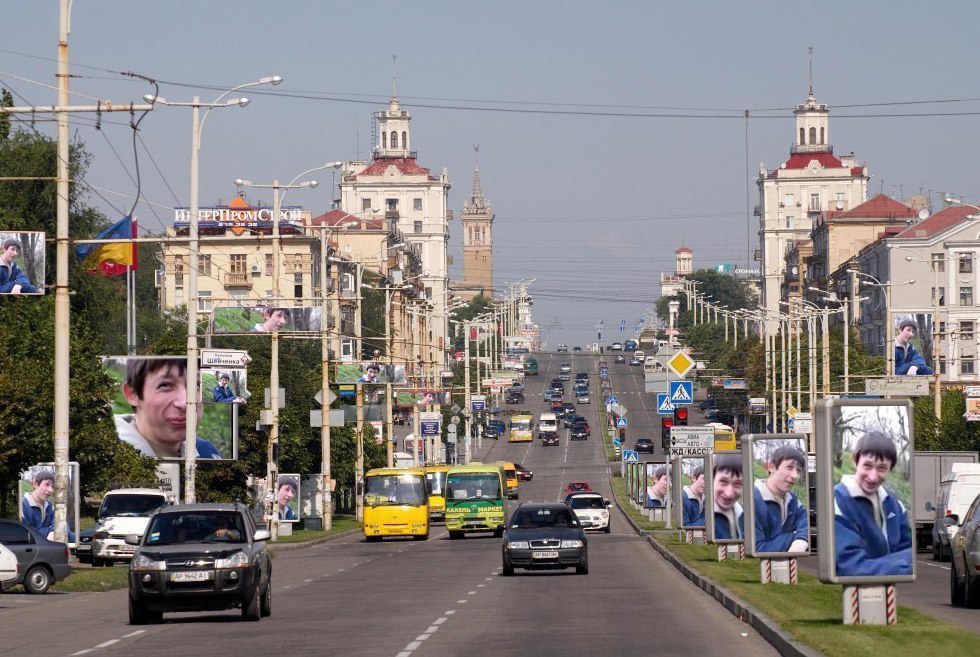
(913, 344)
(657, 492)
(371, 372)
(22, 263)
(776, 499)
(267, 319)
(150, 410)
(36, 488)
(689, 491)
(224, 386)
(864, 457)
(725, 515)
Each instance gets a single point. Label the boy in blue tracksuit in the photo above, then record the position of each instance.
(693, 499)
(657, 492)
(36, 509)
(908, 361)
(872, 535)
(13, 280)
(780, 518)
(726, 489)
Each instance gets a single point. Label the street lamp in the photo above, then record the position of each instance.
(889, 349)
(936, 335)
(197, 126)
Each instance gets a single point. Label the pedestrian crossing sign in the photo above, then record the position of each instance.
(631, 456)
(681, 392)
(621, 423)
(664, 407)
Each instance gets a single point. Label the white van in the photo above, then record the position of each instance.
(547, 422)
(956, 493)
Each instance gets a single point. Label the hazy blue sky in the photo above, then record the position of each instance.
(593, 178)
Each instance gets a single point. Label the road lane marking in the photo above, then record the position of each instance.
(82, 652)
(440, 620)
(106, 644)
(132, 634)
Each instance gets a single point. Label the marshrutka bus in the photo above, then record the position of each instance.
(725, 440)
(476, 495)
(396, 503)
(513, 483)
(436, 475)
(521, 428)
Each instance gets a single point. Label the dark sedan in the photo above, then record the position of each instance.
(200, 557)
(581, 430)
(644, 445)
(549, 438)
(544, 537)
(524, 474)
(40, 562)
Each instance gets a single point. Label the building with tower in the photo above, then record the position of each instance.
(477, 220)
(812, 181)
(415, 204)
(673, 284)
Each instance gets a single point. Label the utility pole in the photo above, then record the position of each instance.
(325, 502)
(467, 395)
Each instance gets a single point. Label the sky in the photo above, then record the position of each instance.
(610, 134)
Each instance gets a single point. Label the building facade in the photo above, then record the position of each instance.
(477, 219)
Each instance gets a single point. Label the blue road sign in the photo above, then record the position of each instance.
(664, 407)
(681, 392)
(621, 423)
(613, 399)
(617, 442)
(631, 456)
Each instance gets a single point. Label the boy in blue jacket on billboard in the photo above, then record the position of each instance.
(780, 518)
(872, 535)
(693, 499)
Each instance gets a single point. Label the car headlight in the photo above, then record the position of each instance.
(141, 562)
(518, 545)
(571, 544)
(237, 560)
(100, 535)
(603, 514)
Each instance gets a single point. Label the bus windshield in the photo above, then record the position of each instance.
(474, 487)
(437, 481)
(394, 489)
(522, 423)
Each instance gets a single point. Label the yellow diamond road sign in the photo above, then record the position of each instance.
(680, 364)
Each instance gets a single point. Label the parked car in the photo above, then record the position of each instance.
(40, 562)
(576, 349)
(200, 557)
(544, 536)
(515, 398)
(644, 445)
(964, 563)
(8, 565)
(592, 510)
(524, 474)
(957, 490)
(491, 431)
(123, 511)
(83, 546)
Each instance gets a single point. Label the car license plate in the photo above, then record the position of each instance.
(551, 554)
(127, 548)
(190, 576)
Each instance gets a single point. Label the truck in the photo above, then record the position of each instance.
(531, 366)
(929, 468)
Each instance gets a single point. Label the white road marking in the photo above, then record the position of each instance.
(106, 644)
(450, 612)
(82, 652)
(440, 620)
(471, 593)
(132, 634)
(461, 602)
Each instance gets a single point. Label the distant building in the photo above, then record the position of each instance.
(812, 181)
(477, 219)
(673, 284)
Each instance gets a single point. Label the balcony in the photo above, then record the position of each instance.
(237, 280)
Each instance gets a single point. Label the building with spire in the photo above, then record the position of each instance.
(812, 181)
(415, 205)
(673, 284)
(477, 220)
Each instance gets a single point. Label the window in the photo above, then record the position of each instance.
(418, 227)
(404, 140)
(394, 139)
(966, 263)
(428, 292)
(391, 204)
(938, 262)
(942, 330)
(268, 264)
(384, 140)
(179, 296)
(942, 296)
(204, 301)
(179, 270)
(942, 365)
(790, 221)
(814, 202)
(11, 534)
(365, 204)
(204, 264)
(238, 265)
(298, 285)
(966, 296)
(966, 330)
(821, 135)
(802, 136)
(417, 204)
(813, 135)
(967, 365)
(789, 200)
(347, 349)
(240, 297)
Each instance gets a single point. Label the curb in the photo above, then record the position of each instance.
(285, 547)
(769, 629)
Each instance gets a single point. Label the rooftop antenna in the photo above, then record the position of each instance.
(394, 76)
(810, 51)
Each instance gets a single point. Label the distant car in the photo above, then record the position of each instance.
(617, 346)
(516, 386)
(577, 487)
(592, 510)
(580, 431)
(644, 445)
(569, 420)
(576, 349)
(524, 474)
(569, 407)
(964, 563)
(565, 367)
(619, 359)
(634, 362)
(582, 398)
(550, 394)
(557, 408)
(549, 438)
(491, 431)
(564, 376)
(545, 536)
(514, 398)
(200, 557)
(582, 378)
(562, 348)
(40, 562)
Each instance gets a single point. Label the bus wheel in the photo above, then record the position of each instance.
(454, 534)
(421, 537)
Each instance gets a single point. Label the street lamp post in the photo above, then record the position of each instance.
(888, 347)
(936, 335)
(197, 126)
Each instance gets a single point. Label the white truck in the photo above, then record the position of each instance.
(929, 469)
(123, 511)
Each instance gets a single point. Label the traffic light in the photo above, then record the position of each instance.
(680, 416)
(665, 424)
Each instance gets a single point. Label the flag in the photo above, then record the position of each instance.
(110, 259)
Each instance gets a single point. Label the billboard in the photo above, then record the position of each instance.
(865, 490)
(36, 488)
(225, 386)
(424, 397)
(266, 319)
(913, 344)
(725, 515)
(150, 408)
(657, 491)
(689, 489)
(777, 517)
(371, 372)
(22, 263)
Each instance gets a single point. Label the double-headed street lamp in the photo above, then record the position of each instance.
(197, 126)
(887, 341)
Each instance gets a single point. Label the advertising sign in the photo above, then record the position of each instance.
(266, 319)
(910, 386)
(688, 489)
(430, 424)
(224, 386)
(22, 263)
(371, 372)
(36, 488)
(865, 490)
(692, 441)
(725, 515)
(777, 517)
